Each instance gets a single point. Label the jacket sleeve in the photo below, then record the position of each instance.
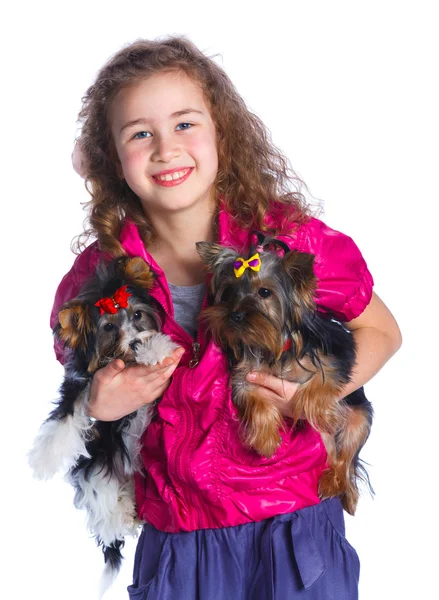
(344, 281)
(83, 267)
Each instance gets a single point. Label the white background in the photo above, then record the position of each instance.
(349, 92)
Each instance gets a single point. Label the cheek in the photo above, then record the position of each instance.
(131, 162)
(204, 148)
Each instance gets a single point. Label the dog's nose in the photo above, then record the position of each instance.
(237, 317)
(134, 344)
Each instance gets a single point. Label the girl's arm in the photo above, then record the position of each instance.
(377, 336)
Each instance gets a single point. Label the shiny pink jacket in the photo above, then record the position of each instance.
(198, 473)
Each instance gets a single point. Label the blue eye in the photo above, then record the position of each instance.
(141, 135)
(188, 126)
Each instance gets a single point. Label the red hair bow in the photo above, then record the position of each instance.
(118, 300)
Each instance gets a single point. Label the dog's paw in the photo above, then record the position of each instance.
(154, 349)
(262, 422)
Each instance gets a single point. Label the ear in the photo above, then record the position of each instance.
(213, 254)
(208, 251)
(137, 272)
(300, 267)
(74, 324)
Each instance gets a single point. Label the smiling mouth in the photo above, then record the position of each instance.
(171, 179)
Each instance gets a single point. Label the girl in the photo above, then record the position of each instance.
(172, 156)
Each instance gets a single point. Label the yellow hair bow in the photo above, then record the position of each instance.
(240, 264)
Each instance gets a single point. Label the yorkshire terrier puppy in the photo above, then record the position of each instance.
(113, 317)
(264, 315)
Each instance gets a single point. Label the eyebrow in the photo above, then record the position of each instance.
(143, 121)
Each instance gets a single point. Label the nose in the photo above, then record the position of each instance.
(134, 344)
(237, 317)
(166, 149)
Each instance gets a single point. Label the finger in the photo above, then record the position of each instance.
(270, 396)
(164, 375)
(146, 371)
(158, 378)
(283, 405)
(109, 372)
(281, 387)
(266, 380)
(173, 359)
(168, 361)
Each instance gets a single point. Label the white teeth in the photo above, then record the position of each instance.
(172, 176)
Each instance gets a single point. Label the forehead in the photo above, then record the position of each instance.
(156, 98)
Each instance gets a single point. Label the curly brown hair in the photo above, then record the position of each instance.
(252, 172)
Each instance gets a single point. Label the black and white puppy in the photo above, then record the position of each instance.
(112, 317)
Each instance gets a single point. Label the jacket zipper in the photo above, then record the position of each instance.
(196, 354)
(196, 346)
(182, 467)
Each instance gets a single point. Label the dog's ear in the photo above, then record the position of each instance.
(209, 252)
(299, 265)
(300, 268)
(213, 254)
(74, 324)
(137, 272)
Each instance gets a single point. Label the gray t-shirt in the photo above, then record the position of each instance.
(187, 301)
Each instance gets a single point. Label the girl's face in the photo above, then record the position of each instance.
(166, 142)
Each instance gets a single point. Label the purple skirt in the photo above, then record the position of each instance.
(303, 554)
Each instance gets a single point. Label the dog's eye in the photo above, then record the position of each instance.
(109, 327)
(264, 293)
(137, 315)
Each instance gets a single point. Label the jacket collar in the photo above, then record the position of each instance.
(133, 245)
(229, 234)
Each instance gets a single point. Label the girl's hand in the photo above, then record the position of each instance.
(117, 391)
(278, 391)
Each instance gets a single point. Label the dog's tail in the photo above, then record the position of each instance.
(113, 560)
